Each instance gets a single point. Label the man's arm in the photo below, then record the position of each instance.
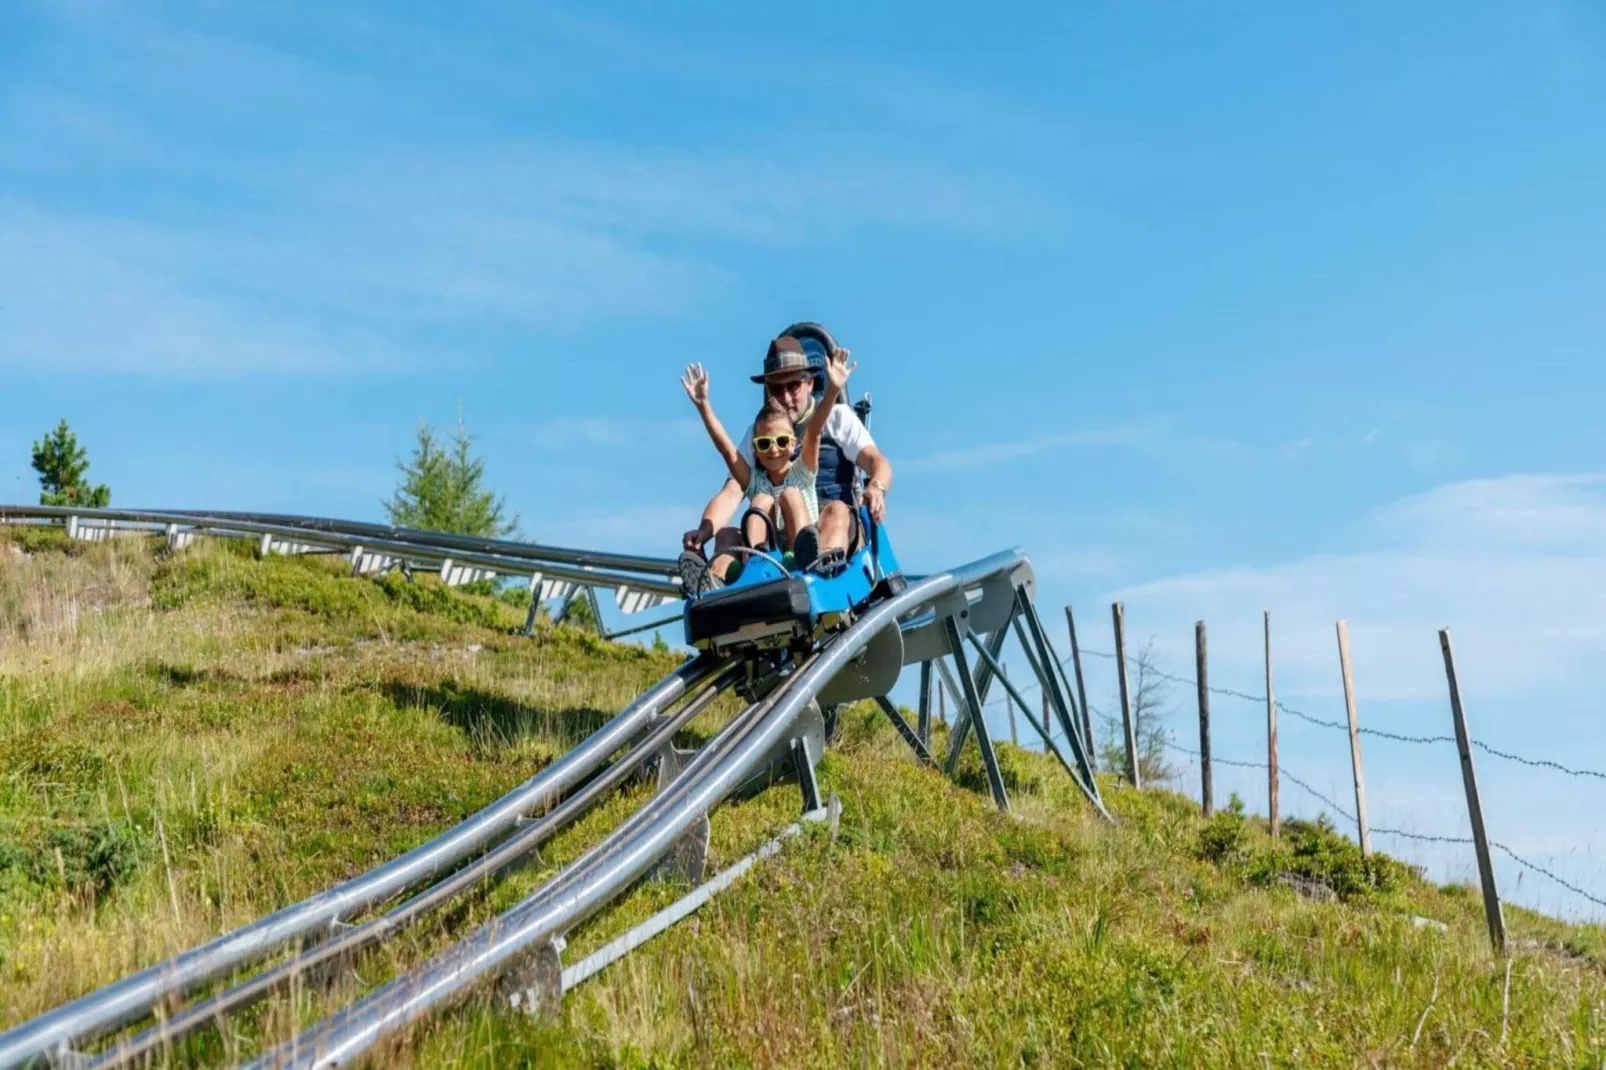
(878, 480)
(721, 507)
(837, 371)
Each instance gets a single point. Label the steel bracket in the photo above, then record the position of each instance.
(534, 984)
(803, 765)
(672, 760)
(781, 765)
(687, 859)
(64, 1058)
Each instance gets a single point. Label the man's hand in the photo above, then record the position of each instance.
(696, 383)
(695, 539)
(837, 368)
(875, 499)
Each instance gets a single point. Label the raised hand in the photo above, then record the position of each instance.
(696, 383)
(837, 368)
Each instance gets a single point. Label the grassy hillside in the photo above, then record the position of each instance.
(186, 744)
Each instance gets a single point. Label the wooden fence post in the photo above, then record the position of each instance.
(1118, 615)
(1081, 690)
(1271, 737)
(1469, 777)
(1365, 826)
(1202, 672)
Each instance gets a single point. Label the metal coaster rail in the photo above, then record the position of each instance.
(513, 559)
(133, 998)
(535, 551)
(343, 944)
(779, 734)
(609, 868)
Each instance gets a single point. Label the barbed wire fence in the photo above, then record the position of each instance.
(1350, 816)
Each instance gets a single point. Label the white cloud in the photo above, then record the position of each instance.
(1293, 451)
(1517, 566)
(988, 454)
(612, 431)
(110, 296)
(355, 240)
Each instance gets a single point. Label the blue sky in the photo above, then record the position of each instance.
(1227, 308)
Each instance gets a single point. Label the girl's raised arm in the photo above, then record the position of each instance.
(696, 383)
(837, 370)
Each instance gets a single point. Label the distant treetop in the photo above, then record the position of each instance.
(441, 489)
(61, 463)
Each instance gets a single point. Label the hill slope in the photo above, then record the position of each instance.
(187, 744)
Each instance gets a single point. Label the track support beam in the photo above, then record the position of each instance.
(910, 735)
(978, 724)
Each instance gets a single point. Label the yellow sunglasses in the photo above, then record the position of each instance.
(773, 443)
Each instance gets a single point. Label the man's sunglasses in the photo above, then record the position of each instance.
(772, 443)
(786, 386)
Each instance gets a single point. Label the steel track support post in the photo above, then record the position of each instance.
(1081, 688)
(910, 736)
(639, 628)
(806, 780)
(1024, 607)
(1050, 681)
(961, 733)
(989, 758)
(1048, 742)
(1081, 772)
(984, 676)
(961, 727)
(535, 603)
(923, 725)
(1052, 675)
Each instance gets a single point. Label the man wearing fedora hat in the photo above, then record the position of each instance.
(846, 445)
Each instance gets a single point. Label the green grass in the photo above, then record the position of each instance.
(186, 744)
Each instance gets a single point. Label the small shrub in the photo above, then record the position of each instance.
(78, 858)
(94, 858)
(39, 539)
(1224, 839)
(1316, 852)
(45, 760)
(427, 596)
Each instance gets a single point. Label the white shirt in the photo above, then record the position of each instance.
(843, 427)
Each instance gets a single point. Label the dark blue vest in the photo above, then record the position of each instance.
(836, 475)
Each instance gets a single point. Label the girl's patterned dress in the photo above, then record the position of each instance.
(799, 477)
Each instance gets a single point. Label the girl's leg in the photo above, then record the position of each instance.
(724, 539)
(795, 512)
(758, 536)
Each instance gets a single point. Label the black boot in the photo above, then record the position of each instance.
(806, 548)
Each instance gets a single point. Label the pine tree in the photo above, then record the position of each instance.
(61, 463)
(441, 489)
